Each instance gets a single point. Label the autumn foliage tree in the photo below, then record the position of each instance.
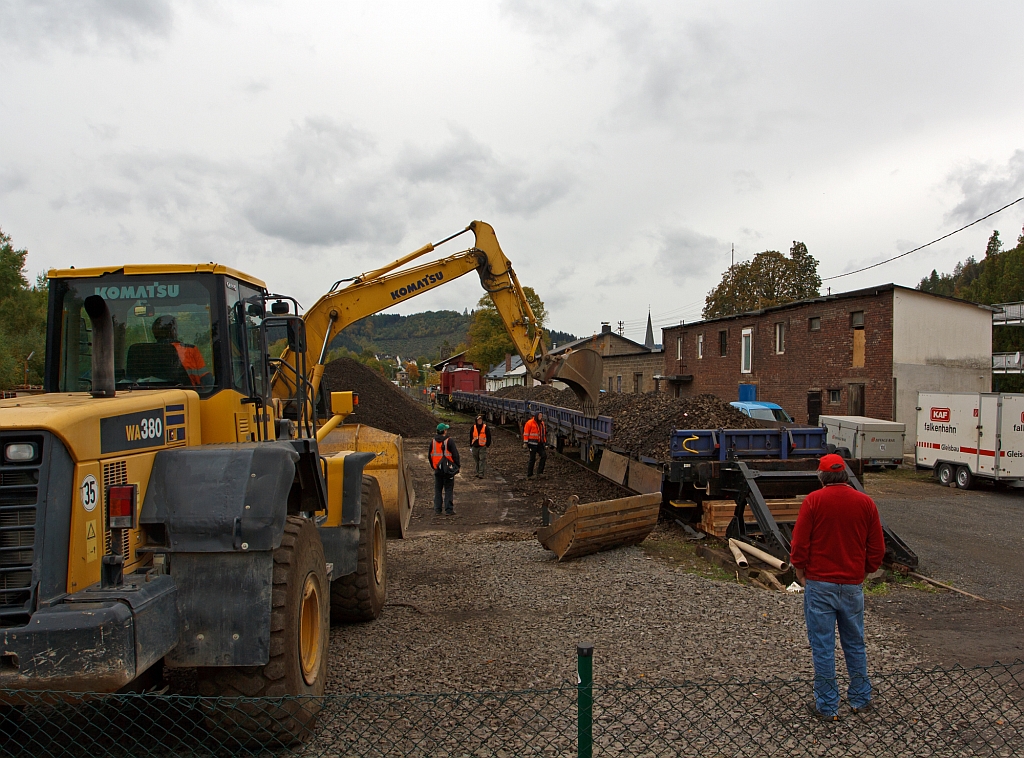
(488, 338)
(23, 326)
(769, 278)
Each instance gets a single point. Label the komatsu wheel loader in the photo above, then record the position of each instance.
(166, 502)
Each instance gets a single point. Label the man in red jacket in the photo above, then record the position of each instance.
(837, 540)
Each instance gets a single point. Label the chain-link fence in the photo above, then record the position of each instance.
(941, 712)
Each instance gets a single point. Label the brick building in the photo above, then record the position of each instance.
(861, 353)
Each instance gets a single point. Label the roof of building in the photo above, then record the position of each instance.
(458, 357)
(582, 342)
(867, 291)
(498, 369)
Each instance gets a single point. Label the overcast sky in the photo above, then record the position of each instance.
(618, 149)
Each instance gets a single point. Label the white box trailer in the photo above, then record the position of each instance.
(871, 440)
(962, 436)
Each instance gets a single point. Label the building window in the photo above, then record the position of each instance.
(700, 346)
(723, 343)
(679, 348)
(780, 339)
(638, 383)
(835, 397)
(857, 319)
(746, 350)
(618, 384)
(611, 384)
(814, 324)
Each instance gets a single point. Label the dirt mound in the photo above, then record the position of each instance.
(643, 423)
(381, 404)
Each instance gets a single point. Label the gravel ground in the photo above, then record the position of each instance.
(475, 603)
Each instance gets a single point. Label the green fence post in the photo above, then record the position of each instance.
(585, 699)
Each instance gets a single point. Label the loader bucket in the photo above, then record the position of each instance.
(582, 371)
(593, 527)
(388, 468)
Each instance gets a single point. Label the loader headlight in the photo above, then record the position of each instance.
(20, 452)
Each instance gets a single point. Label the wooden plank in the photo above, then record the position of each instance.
(613, 466)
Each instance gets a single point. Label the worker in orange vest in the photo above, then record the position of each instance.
(479, 441)
(444, 459)
(535, 439)
(165, 329)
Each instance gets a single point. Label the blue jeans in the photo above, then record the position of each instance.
(827, 605)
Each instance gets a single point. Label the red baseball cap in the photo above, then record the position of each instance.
(831, 462)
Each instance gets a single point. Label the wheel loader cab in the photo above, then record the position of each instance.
(197, 328)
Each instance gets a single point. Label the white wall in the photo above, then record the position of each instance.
(938, 345)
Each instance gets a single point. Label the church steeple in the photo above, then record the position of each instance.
(649, 339)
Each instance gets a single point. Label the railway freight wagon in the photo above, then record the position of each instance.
(965, 436)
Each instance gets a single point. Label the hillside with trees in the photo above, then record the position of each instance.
(431, 335)
(996, 278)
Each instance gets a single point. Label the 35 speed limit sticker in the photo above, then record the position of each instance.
(90, 492)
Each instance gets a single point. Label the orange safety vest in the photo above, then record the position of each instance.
(192, 360)
(534, 432)
(439, 450)
(478, 434)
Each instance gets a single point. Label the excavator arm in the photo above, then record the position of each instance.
(381, 288)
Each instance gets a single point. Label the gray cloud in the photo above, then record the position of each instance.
(986, 187)
(105, 132)
(85, 25)
(12, 179)
(325, 187)
(468, 166)
(685, 253)
(746, 181)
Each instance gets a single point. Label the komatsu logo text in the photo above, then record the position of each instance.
(412, 287)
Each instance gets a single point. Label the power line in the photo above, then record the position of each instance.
(922, 247)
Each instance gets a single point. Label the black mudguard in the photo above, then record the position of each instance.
(222, 509)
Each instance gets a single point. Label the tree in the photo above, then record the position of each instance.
(413, 371)
(23, 327)
(488, 339)
(768, 279)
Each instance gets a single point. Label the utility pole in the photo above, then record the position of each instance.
(26, 367)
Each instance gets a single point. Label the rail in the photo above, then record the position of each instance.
(1007, 314)
(1007, 363)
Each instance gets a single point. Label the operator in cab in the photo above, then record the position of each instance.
(165, 330)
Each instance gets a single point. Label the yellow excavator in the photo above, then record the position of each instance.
(167, 501)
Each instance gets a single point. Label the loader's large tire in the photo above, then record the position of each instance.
(299, 630)
(360, 596)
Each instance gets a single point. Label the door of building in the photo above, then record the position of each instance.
(748, 393)
(855, 406)
(813, 407)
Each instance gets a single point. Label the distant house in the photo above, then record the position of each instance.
(509, 373)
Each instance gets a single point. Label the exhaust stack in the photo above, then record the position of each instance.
(102, 346)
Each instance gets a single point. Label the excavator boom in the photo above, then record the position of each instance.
(376, 290)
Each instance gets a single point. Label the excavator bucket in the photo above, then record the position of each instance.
(582, 371)
(593, 527)
(388, 468)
